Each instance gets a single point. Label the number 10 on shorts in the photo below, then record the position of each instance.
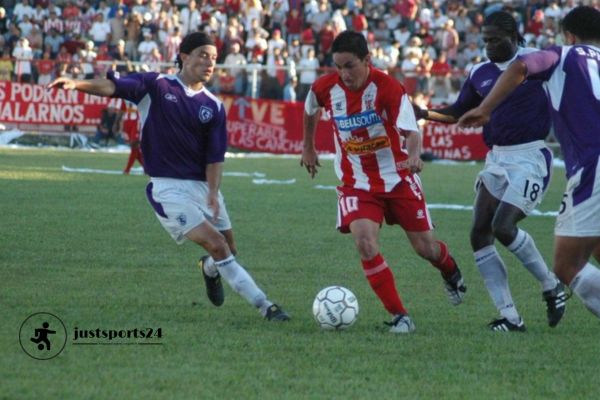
(348, 204)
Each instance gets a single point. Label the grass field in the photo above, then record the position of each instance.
(88, 249)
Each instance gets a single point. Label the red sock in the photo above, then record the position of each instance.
(382, 282)
(134, 154)
(445, 263)
(130, 161)
(139, 156)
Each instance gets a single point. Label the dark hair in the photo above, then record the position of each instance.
(583, 22)
(351, 42)
(190, 42)
(506, 23)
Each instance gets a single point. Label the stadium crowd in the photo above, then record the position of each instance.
(271, 49)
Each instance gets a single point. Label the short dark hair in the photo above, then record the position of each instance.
(583, 22)
(351, 42)
(506, 23)
(190, 42)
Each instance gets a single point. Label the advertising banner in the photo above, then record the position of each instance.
(255, 125)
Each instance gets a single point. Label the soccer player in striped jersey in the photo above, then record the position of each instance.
(571, 76)
(372, 120)
(516, 173)
(184, 138)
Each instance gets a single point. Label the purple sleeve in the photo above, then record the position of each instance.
(217, 141)
(132, 87)
(468, 98)
(541, 64)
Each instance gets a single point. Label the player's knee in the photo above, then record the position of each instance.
(427, 250)
(217, 246)
(367, 247)
(563, 274)
(504, 231)
(480, 238)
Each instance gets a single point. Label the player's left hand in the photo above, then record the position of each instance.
(474, 118)
(62, 82)
(414, 164)
(310, 160)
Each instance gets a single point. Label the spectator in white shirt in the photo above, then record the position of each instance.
(190, 18)
(146, 47)
(100, 30)
(236, 58)
(308, 73)
(25, 25)
(23, 55)
(21, 9)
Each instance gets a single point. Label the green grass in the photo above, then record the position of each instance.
(88, 248)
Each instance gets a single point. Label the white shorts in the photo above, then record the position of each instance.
(181, 205)
(518, 175)
(579, 213)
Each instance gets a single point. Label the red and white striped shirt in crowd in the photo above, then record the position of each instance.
(369, 125)
(54, 23)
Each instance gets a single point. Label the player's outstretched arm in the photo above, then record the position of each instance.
(98, 86)
(445, 115)
(508, 81)
(310, 159)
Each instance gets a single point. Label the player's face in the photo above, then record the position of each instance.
(499, 45)
(199, 65)
(352, 70)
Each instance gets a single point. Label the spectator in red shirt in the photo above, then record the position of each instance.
(408, 10)
(441, 72)
(536, 23)
(359, 22)
(71, 10)
(294, 25)
(326, 37)
(45, 68)
(307, 40)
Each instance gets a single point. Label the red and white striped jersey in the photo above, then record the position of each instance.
(369, 125)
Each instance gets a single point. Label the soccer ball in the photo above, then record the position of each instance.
(335, 307)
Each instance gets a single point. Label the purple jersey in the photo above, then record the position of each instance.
(522, 117)
(572, 82)
(182, 130)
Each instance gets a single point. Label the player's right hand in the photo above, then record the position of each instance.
(310, 160)
(62, 82)
(419, 112)
(474, 118)
(213, 205)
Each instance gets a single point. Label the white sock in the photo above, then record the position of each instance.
(586, 285)
(495, 277)
(240, 281)
(210, 268)
(523, 247)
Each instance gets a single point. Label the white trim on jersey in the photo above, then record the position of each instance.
(406, 117)
(144, 110)
(311, 105)
(556, 84)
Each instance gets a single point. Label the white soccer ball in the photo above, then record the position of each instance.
(335, 307)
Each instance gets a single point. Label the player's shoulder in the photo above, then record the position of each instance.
(385, 83)
(325, 82)
(381, 78)
(482, 67)
(212, 98)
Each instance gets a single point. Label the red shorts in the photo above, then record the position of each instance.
(404, 205)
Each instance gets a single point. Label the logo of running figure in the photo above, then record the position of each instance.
(42, 336)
